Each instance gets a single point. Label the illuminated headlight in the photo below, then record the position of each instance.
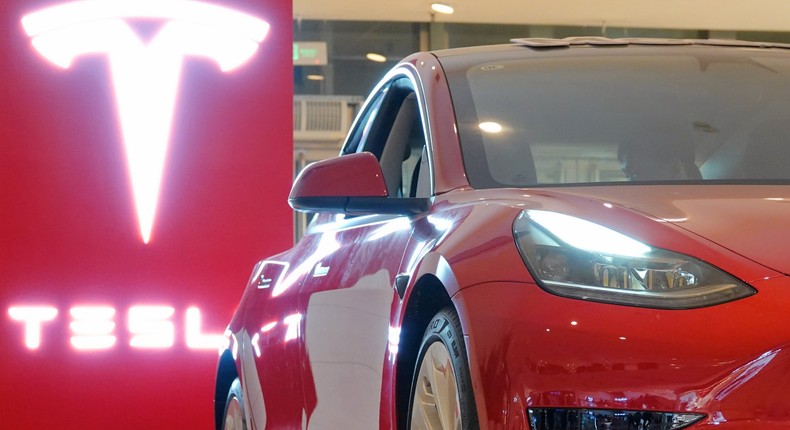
(596, 419)
(576, 258)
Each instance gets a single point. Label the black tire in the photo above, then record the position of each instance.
(443, 333)
(234, 417)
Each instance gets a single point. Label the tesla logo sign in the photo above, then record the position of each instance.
(145, 74)
(93, 328)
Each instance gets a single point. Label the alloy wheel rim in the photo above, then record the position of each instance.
(234, 418)
(436, 404)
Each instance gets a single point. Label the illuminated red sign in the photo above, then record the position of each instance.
(103, 330)
(145, 74)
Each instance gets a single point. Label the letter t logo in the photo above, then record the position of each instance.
(145, 75)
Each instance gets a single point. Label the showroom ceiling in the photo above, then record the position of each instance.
(759, 15)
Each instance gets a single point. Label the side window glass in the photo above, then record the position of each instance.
(402, 156)
(358, 137)
(391, 128)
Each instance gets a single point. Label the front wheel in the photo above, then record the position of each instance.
(234, 417)
(442, 396)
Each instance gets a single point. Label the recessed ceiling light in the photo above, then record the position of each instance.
(372, 56)
(442, 8)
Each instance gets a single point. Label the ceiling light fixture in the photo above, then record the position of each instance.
(372, 56)
(442, 8)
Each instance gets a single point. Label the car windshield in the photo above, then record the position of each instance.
(649, 114)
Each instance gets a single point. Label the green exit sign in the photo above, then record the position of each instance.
(310, 54)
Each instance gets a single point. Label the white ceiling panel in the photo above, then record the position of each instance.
(737, 15)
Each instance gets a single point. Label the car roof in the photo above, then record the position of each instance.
(460, 58)
(605, 41)
(539, 43)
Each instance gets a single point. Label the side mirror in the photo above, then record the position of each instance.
(351, 184)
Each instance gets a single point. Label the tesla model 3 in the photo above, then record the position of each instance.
(580, 233)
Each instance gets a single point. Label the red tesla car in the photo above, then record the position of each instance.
(583, 233)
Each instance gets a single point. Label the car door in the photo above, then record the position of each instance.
(347, 298)
(265, 331)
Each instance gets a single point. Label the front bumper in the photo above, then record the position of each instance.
(531, 349)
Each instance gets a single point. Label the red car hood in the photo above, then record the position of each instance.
(751, 220)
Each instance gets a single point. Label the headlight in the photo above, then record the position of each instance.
(576, 258)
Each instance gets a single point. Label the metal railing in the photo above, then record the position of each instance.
(324, 117)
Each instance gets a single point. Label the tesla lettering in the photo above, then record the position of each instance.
(33, 318)
(145, 74)
(94, 328)
(151, 326)
(195, 338)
